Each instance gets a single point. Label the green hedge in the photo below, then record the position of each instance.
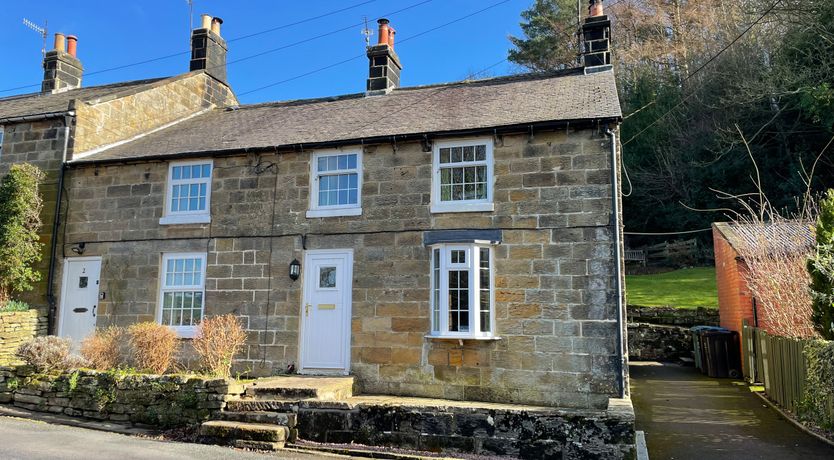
(818, 401)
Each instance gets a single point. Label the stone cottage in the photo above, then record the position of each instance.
(457, 240)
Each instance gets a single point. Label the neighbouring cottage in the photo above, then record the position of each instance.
(458, 241)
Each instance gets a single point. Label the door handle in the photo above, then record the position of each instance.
(94, 310)
(307, 310)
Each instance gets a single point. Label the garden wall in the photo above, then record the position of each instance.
(159, 401)
(16, 327)
(671, 316)
(662, 333)
(655, 342)
(522, 431)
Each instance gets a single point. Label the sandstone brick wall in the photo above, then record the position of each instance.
(555, 297)
(15, 328)
(40, 143)
(121, 116)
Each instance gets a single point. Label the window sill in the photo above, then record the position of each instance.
(185, 332)
(462, 338)
(338, 212)
(185, 219)
(462, 207)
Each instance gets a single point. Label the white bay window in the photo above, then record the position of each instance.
(462, 300)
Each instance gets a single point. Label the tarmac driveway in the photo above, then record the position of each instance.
(686, 415)
(28, 439)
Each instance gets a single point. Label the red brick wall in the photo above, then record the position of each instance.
(735, 303)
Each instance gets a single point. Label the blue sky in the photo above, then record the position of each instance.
(116, 33)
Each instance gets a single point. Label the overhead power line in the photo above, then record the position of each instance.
(358, 56)
(243, 37)
(683, 232)
(700, 68)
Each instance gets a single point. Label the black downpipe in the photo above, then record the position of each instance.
(56, 222)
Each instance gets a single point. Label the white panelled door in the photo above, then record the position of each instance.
(326, 311)
(79, 298)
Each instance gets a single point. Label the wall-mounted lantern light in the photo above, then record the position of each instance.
(79, 248)
(295, 269)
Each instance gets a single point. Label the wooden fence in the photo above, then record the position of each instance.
(779, 364)
(676, 250)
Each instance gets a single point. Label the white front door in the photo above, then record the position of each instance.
(79, 298)
(326, 311)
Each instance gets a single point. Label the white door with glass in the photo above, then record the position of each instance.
(326, 311)
(79, 298)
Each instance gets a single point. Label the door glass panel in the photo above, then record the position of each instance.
(327, 277)
(82, 282)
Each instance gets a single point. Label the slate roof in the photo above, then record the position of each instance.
(34, 104)
(791, 236)
(452, 107)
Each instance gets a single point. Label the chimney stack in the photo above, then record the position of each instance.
(596, 38)
(385, 67)
(62, 70)
(208, 49)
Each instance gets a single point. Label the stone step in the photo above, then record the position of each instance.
(271, 418)
(258, 445)
(230, 433)
(261, 405)
(301, 387)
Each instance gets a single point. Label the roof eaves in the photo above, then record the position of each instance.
(35, 117)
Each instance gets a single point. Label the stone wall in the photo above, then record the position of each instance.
(521, 432)
(124, 115)
(16, 327)
(654, 342)
(161, 401)
(554, 285)
(40, 143)
(671, 316)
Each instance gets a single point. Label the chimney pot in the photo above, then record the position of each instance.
(59, 41)
(215, 25)
(205, 21)
(595, 8)
(72, 45)
(383, 31)
(391, 33)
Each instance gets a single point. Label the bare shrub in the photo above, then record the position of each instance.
(103, 349)
(776, 274)
(219, 339)
(153, 345)
(775, 249)
(49, 353)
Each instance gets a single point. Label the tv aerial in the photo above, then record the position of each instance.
(42, 31)
(367, 32)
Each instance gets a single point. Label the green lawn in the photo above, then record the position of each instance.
(685, 288)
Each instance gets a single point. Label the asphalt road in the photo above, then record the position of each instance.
(686, 415)
(28, 439)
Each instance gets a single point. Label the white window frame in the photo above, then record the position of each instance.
(314, 209)
(2, 136)
(186, 217)
(473, 251)
(487, 204)
(186, 332)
